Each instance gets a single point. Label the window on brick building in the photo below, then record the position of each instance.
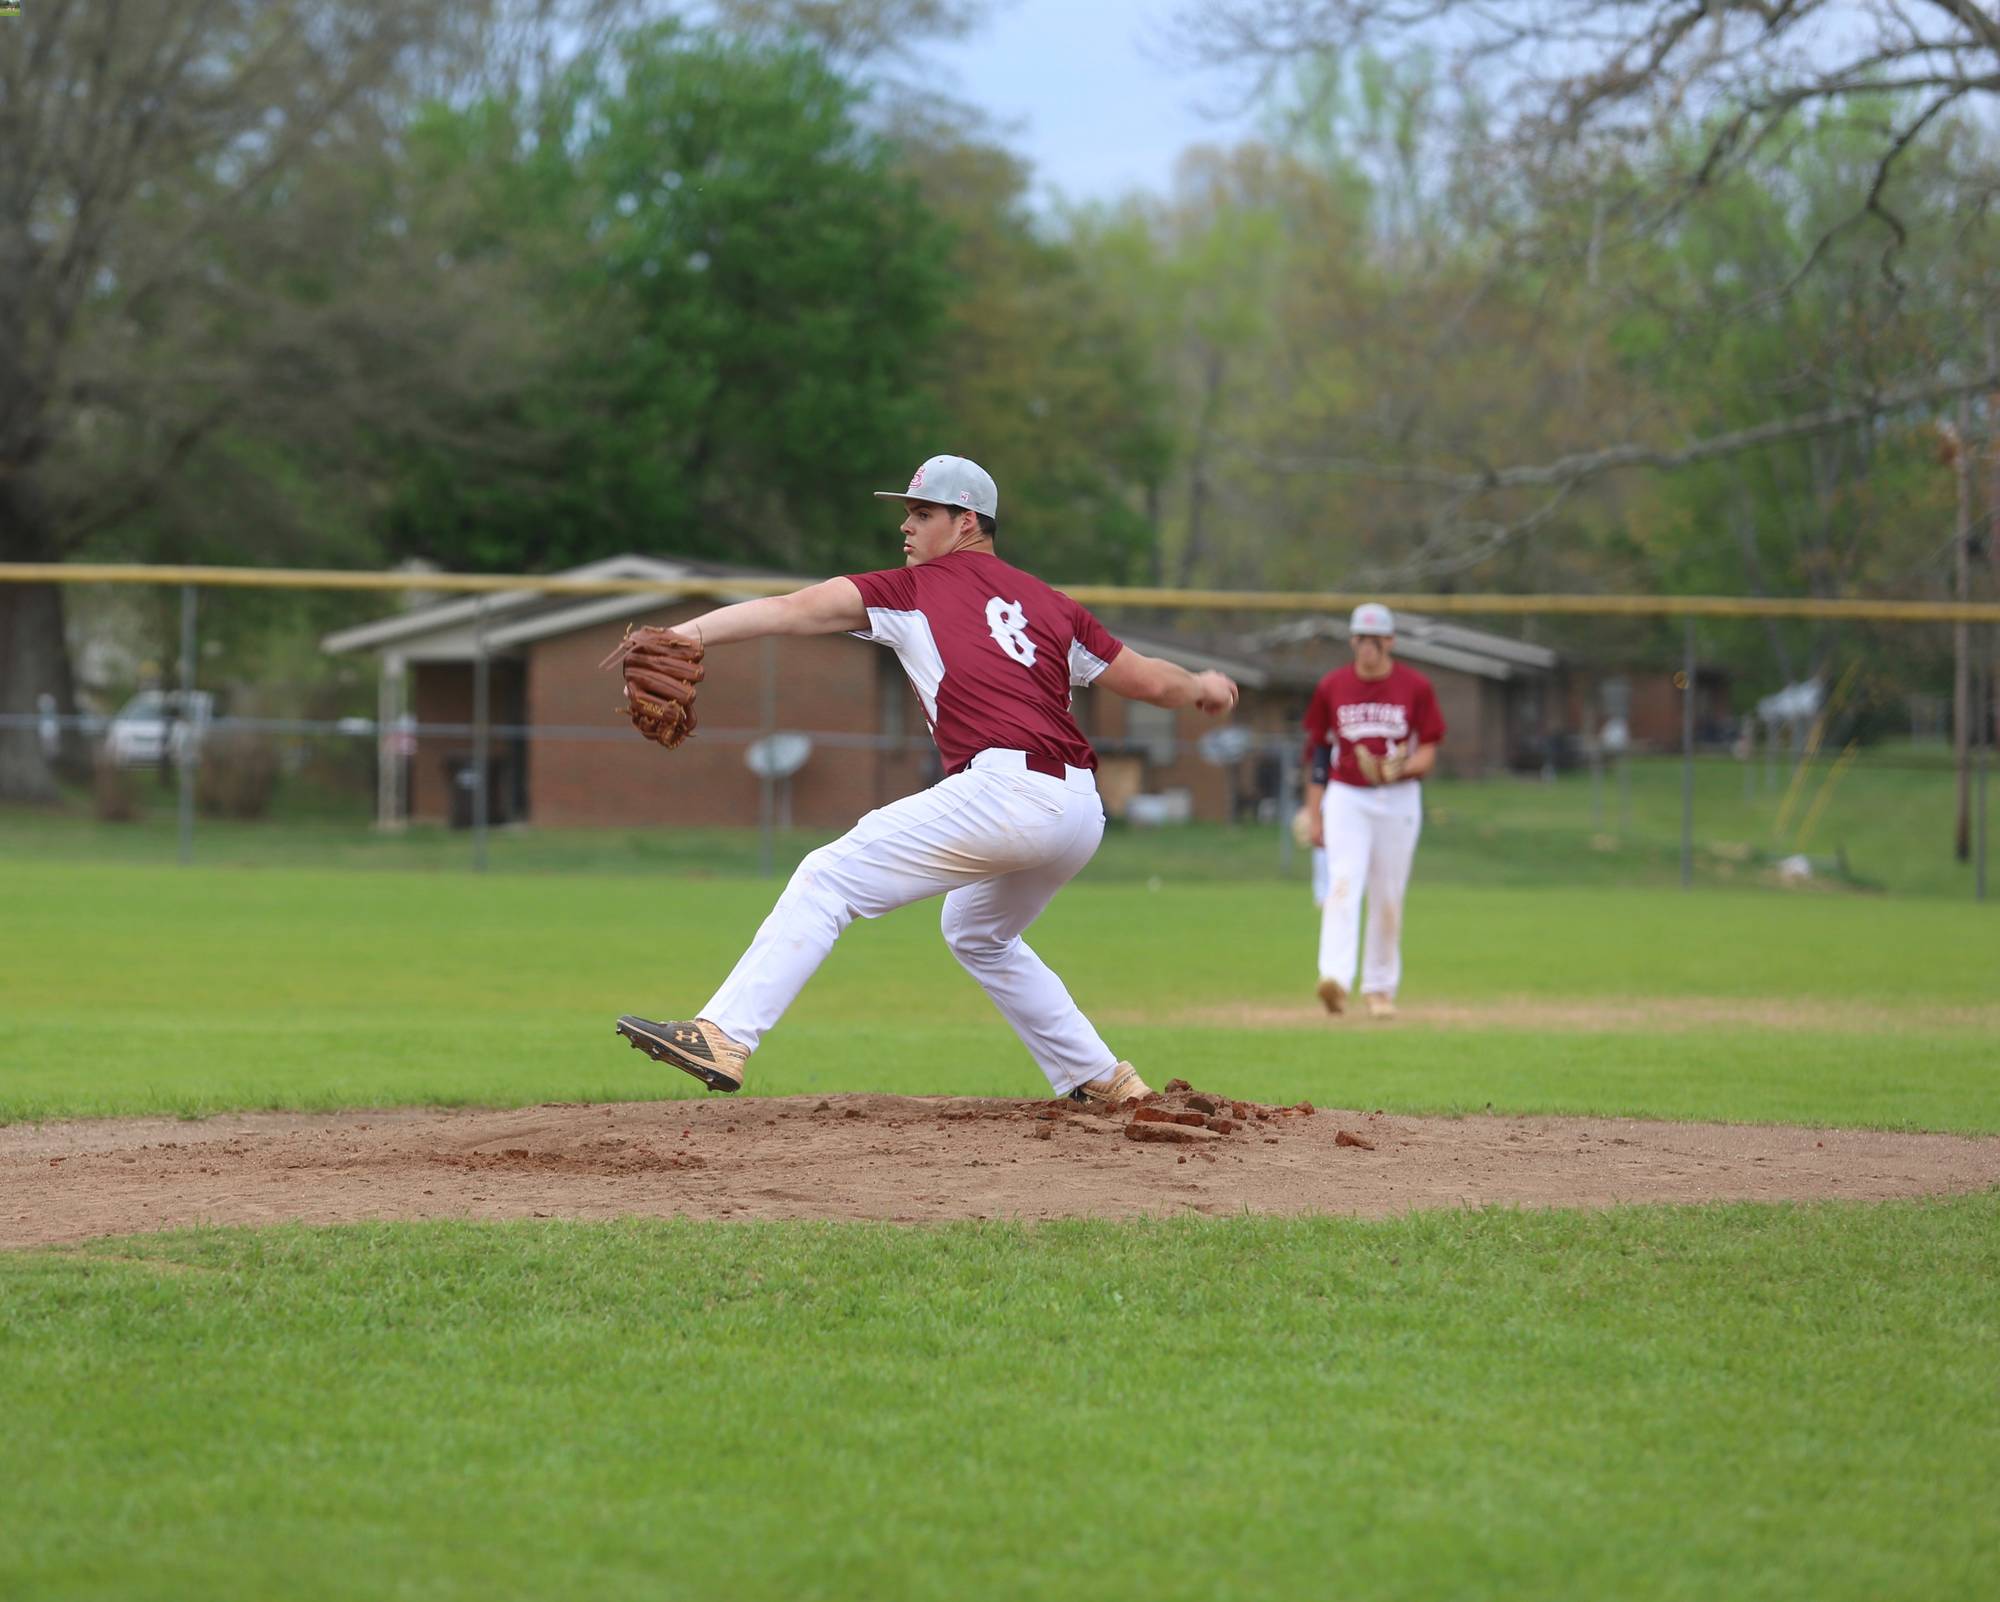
(1154, 727)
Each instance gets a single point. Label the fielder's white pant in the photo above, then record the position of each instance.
(1371, 840)
(1002, 841)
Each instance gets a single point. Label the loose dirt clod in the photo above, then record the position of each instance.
(1343, 1138)
(1167, 1115)
(1168, 1134)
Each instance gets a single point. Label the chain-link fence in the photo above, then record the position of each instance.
(318, 727)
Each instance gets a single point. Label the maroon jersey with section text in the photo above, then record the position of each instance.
(1348, 710)
(992, 652)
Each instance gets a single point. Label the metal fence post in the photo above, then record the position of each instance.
(189, 753)
(481, 690)
(391, 738)
(1983, 753)
(1687, 763)
(1289, 801)
(1979, 873)
(767, 807)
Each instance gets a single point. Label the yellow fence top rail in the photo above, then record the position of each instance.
(1106, 595)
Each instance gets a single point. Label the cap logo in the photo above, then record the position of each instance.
(965, 496)
(917, 479)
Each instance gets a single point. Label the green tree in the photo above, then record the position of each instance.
(1041, 371)
(1728, 338)
(749, 294)
(204, 316)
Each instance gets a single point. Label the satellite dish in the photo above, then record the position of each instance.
(1226, 746)
(778, 756)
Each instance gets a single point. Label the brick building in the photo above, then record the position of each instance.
(1649, 701)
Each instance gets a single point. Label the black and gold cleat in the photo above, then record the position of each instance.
(693, 1045)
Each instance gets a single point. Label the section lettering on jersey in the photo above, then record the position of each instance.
(992, 652)
(1373, 720)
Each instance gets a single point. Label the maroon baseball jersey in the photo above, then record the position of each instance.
(1348, 710)
(992, 652)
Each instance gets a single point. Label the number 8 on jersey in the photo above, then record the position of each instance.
(1009, 622)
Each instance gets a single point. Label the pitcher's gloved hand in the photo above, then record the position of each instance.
(661, 670)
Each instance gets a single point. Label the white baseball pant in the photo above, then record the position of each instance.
(1371, 841)
(1000, 840)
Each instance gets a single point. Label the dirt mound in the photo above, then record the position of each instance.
(917, 1159)
(1180, 1115)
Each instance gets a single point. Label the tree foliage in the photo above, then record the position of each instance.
(198, 317)
(747, 295)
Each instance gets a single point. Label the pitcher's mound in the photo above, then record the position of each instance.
(917, 1159)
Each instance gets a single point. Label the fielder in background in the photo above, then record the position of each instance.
(993, 653)
(1372, 732)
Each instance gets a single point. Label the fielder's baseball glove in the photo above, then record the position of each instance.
(1385, 769)
(661, 672)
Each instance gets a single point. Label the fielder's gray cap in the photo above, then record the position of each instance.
(1372, 617)
(951, 481)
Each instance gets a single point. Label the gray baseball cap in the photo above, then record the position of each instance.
(1372, 617)
(951, 481)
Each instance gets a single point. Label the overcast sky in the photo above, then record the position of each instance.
(1079, 92)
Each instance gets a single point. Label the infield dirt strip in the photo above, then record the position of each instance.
(917, 1160)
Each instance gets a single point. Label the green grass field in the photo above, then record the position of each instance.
(128, 990)
(1739, 1402)
(1781, 1402)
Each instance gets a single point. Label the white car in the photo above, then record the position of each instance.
(157, 724)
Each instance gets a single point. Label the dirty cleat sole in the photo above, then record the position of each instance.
(681, 1045)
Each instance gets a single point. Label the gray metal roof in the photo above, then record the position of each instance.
(1430, 642)
(448, 631)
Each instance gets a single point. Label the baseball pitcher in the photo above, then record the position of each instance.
(993, 653)
(1372, 732)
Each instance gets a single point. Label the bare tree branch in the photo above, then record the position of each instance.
(1569, 472)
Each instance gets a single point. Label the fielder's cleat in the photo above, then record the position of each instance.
(1333, 995)
(1380, 1007)
(694, 1045)
(1121, 1084)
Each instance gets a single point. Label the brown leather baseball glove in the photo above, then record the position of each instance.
(662, 669)
(1385, 769)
